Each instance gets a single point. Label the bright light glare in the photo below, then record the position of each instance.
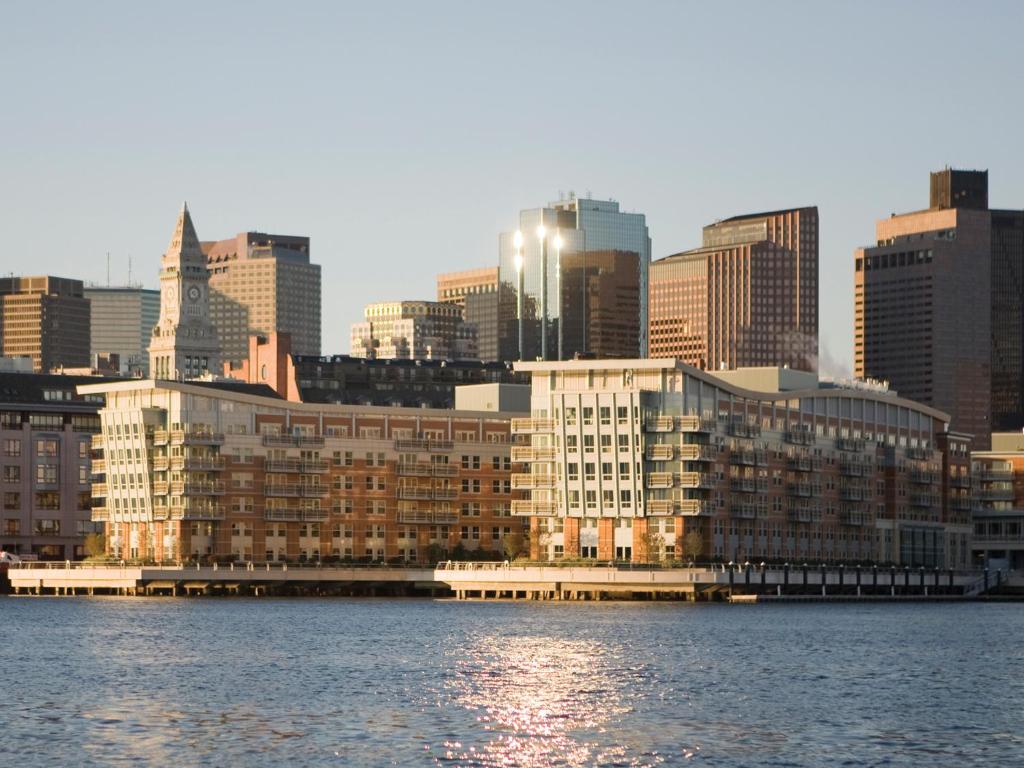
(519, 262)
(541, 232)
(517, 239)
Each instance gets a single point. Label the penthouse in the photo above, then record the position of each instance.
(193, 471)
(654, 459)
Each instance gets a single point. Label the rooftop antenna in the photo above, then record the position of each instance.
(108, 269)
(129, 270)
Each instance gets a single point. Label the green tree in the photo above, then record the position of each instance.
(693, 545)
(515, 545)
(96, 545)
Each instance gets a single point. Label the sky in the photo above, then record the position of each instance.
(403, 137)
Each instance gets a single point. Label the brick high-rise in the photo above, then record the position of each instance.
(45, 319)
(747, 297)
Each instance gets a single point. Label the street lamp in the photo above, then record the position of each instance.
(542, 236)
(517, 240)
(558, 290)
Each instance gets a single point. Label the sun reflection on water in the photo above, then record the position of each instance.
(543, 701)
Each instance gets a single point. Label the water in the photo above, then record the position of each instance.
(252, 682)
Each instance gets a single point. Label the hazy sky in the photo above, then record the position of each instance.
(403, 137)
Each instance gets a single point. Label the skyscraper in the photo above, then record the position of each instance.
(413, 330)
(572, 226)
(747, 297)
(939, 306)
(486, 304)
(122, 321)
(262, 284)
(45, 319)
(184, 343)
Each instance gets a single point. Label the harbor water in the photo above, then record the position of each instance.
(410, 682)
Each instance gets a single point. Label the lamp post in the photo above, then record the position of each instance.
(518, 242)
(558, 290)
(542, 236)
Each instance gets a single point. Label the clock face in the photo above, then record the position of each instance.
(193, 293)
(169, 295)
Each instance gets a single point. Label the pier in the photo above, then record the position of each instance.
(482, 581)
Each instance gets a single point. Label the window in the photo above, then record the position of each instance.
(626, 498)
(12, 448)
(591, 497)
(623, 441)
(12, 473)
(588, 443)
(589, 472)
(588, 416)
(12, 500)
(606, 443)
(570, 417)
(46, 474)
(605, 415)
(606, 470)
(571, 446)
(573, 470)
(622, 414)
(624, 470)
(47, 527)
(47, 447)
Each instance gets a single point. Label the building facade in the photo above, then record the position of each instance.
(939, 306)
(198, 471)
(600, 304)
(121, 323)
(414, 330)
(487, 305)
(46, 431)
(341, 379)
(45, 319)
(262, 284)
(747, 297)
(573, 226)
(184, 343)
(654, 459)
(998, 502)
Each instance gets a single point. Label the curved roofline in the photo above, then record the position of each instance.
(710, 378)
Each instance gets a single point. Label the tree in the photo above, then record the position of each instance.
(96, 545)
(693, 545)
(539, 538)
(515, 545)
(653, 544)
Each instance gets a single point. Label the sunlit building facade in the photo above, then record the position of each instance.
(414, 330)
(654, 459)
(45, 319)
(228, 471)
(121, 322)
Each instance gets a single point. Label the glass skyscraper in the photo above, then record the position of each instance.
(583, 226)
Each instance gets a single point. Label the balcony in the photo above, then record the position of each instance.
(659, 452)
(918, 453)
(198, 488)
(744, 511)
(282, 515)
(850, 444)
(100, 514)
(852, 469)
(521, 508)
(309, 441)
(926, 500)
(800, 490)
(694, 508)
(532, 426)
(527, 482)
(96, 442)
(445, 494)
(743, 429)
(800, 437)
(696, 424)
(800, 515)
(314, 515)
(531, 453)
(160, 463)
(196, 437)
(99, 490)
(660, 424)
(281, 465)
(204, 464)
(696, 480)
(415, 516)
(98, 466)
(996, 476)
(961, 503)
(414, 469)
(960, 481)
(854, 518)
(160, 487)
(984, 494)
(661, 507)
(922, 477)
(750, 458)
(660, 480)
(310, 490)
(800, 463)
(282, 489)
(414, 493)
(853, 493)
(278, 441)
(206, 512)
(743, 484)
(423, 444)
(697, 452)
(443, 470)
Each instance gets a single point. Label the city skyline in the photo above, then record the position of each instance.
(477, 144)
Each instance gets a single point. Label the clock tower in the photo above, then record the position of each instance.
(184, 343)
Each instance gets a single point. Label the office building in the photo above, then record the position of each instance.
(262, 284)
(654, 459)
(46, 319)
(747, 297)
(543, 237)
(184, 343)
(197, 471)
(121, 323)
(414, 330)
(46, 429)
(939, 306)
(487, 305)
(600, 304)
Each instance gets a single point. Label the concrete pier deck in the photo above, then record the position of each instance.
(507, 581)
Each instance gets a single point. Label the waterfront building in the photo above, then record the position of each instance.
(531, 260)
(46, 319)
(121, 322)
(655, 459)
(46, 429)
(414, 330)
(487, 305)
(998, 494)
(197, 470)
(747, 297)
(262, 284)
(939, 306)
(184, 343)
